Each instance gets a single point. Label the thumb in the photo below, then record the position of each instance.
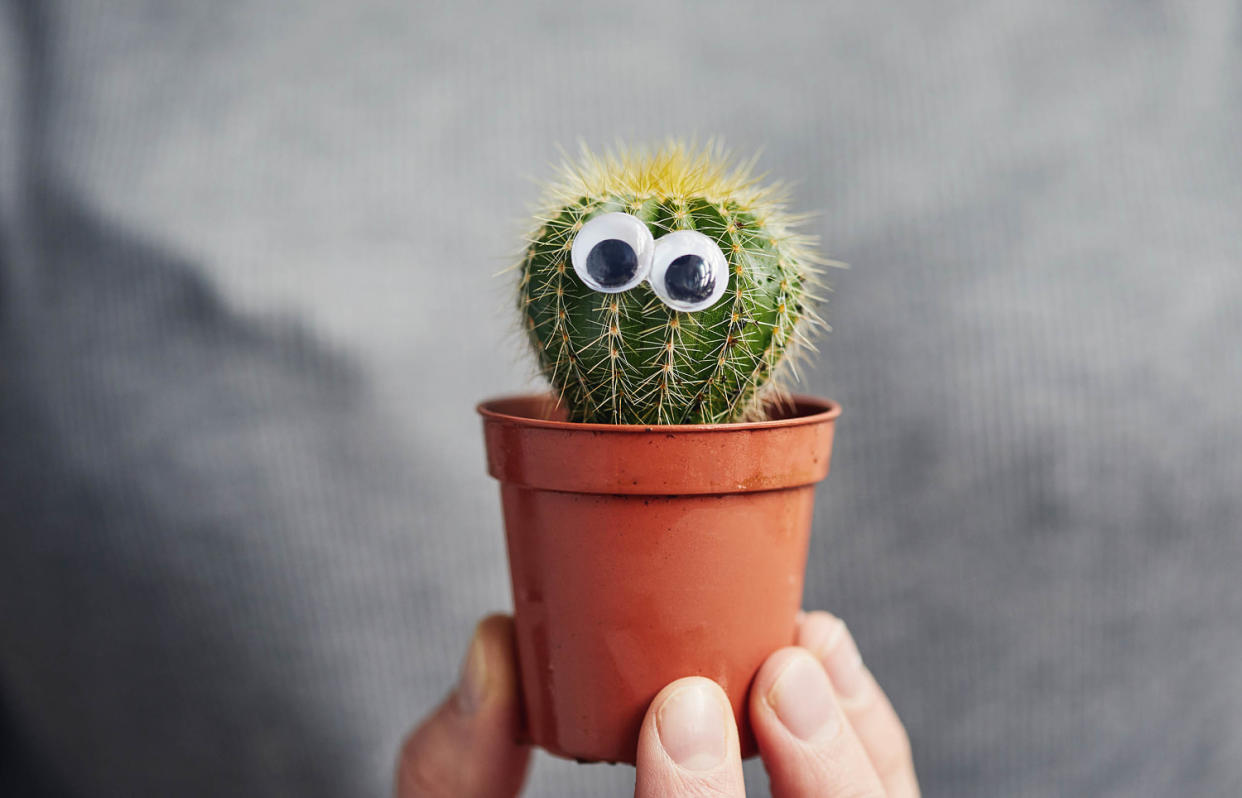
(466, 748)
(688, 744)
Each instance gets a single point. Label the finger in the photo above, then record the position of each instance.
(806, 743)
(864, 703)
(466, 748)
(688, 745)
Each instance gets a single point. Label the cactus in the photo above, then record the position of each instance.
(720, 321)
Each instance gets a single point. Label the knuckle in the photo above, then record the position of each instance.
(843, 769)
(709, 789)
(718, 784)
(854, 780)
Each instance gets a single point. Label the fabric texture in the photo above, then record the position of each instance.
(248, 299)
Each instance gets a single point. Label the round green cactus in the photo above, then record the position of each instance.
(633, 325)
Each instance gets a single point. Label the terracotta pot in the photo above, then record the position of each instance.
(643, 554)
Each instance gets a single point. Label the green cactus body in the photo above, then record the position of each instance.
(627, 357)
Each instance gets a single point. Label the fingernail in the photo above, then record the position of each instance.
(802, 697)
(472, 684)
(845, 666)
(691, 724)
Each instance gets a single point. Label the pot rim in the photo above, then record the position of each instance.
(808, 409)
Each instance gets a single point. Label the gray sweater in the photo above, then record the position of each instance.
(247, 304)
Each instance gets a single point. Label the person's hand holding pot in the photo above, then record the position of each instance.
(824, 726)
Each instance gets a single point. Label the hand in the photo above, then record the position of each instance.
(823, 724)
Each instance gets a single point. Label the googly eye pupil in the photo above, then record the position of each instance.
(689, 279)
(612, 262)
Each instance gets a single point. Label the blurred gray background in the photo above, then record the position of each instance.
(247, 304)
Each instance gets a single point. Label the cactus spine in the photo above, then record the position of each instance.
(627, 358)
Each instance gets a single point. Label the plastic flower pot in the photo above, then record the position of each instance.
(640, 555)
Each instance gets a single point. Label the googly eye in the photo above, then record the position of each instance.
(688, 271)
(612, 252)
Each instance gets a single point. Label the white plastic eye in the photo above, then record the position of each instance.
(688, 272)
(612, 252)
